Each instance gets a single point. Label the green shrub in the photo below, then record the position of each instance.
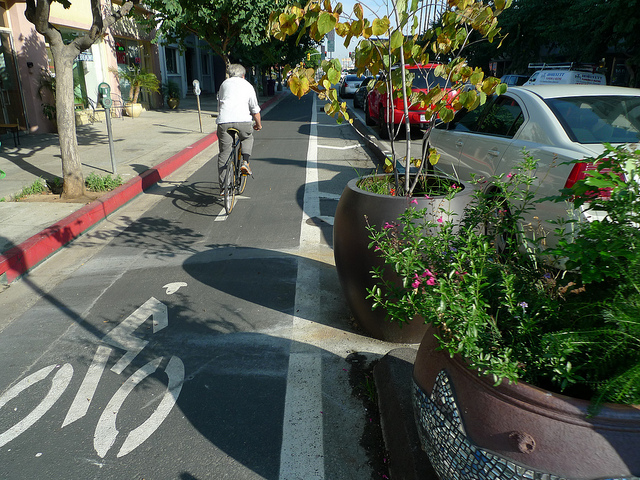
(103, 183)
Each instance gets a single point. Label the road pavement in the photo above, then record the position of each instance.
(172, 341)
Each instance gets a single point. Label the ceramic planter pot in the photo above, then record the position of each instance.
(133, 109)
(473, 430)
(354, 260)
(173, 103)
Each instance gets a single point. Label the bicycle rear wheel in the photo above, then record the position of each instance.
(242, 179)
(229, 187)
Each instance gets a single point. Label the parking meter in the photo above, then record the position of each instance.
(104, 90)
(197, 91)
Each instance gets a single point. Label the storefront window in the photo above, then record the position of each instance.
(171, 55)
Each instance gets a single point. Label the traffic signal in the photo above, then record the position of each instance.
(308, 56)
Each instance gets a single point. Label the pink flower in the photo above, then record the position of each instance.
(509, 175)
(440, 220)
(387, 226)
(416, 281)
(431, 281)
(415, 200)
(427, 197)
(376, 248)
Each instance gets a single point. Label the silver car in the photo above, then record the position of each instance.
(554, 123)
(349, 84)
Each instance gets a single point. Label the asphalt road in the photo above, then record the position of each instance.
(174, 342)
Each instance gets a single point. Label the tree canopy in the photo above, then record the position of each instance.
(571, 30)
(230, 27)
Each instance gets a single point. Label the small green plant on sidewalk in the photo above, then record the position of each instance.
(36, 188)
(103, 183)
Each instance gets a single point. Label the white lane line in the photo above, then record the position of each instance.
(347, 147)
(302, 451)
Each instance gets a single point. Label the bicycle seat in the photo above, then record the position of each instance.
(233, 131)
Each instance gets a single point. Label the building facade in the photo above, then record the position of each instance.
(26, 63)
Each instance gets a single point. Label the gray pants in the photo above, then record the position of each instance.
(225, 142)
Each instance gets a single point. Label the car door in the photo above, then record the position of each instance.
(483, 149)
(449, 138)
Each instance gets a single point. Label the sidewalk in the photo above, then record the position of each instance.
(146, 149)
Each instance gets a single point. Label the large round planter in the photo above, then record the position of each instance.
(473, 430)
(355, 260)
(133, 109)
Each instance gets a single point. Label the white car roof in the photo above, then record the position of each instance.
(555, 91)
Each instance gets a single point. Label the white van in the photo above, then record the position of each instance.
(566, 75)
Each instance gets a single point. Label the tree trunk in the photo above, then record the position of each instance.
(37, 12)
(73, 179)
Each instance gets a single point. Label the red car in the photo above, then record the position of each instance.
(376, 111)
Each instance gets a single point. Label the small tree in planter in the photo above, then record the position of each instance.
(386, 46)
(138, 80)
(386, 43)
(565, 336)
(171, 91)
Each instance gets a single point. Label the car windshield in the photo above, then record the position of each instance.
(426, 79)
(353, 78)
(610, 119)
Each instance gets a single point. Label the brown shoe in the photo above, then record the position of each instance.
(245, 169)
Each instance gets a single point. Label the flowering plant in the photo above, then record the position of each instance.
(502, 304)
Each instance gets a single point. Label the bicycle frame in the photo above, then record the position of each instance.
(234, 182)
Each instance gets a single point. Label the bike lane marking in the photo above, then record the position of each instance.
(302, 451)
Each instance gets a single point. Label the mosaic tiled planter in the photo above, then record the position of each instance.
(472, 430)
(354, 260)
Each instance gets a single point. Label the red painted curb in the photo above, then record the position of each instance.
(21, 258)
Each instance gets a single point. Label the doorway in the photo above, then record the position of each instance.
(11, 102)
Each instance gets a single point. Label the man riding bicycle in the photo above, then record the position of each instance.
(237, 108)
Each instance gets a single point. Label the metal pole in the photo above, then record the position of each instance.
(199, 117)
(107, 114)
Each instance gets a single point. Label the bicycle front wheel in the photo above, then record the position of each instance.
(242, 179)
(229, 190)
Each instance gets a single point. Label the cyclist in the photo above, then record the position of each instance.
(238, 108)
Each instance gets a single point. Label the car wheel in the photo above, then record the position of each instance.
(382, 125)
(367, 117)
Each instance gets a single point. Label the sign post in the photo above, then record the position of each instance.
(104, 92)
(196, 90)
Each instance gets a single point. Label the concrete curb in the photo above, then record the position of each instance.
(21, 258)
(392, 376)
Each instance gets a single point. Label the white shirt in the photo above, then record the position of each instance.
(236, 101)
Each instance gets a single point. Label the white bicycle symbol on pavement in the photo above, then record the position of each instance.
(121, 337)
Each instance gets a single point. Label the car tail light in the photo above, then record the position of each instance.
(581, 170)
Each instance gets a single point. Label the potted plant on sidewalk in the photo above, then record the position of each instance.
(386, 46)
(531, 366)
(171, 91)
(138, 80)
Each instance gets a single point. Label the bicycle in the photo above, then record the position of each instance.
(234, 180)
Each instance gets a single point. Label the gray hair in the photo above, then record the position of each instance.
(236, 70)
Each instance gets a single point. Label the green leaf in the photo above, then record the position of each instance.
(396, 39)
(380, 26)
(326, 23)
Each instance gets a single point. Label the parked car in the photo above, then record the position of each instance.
(514, 80)
(378, 112)
(554, 123)
(360, 97)
(349, 84)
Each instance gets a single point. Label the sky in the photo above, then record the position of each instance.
(377, 6)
